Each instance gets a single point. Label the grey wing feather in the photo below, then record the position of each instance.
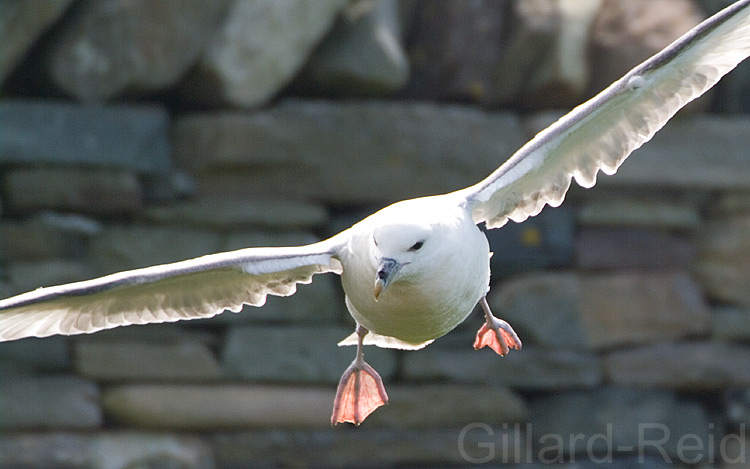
(601, 133)
(196, 288)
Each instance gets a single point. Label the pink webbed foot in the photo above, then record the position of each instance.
(496, 333)
(360, 390)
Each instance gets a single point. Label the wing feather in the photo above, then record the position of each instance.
(601, 133)
(196, 288)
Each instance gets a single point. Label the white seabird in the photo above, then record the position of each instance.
(414, 270)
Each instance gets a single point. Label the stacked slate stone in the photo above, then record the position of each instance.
(135, 132)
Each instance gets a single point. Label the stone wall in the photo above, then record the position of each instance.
(138, 132)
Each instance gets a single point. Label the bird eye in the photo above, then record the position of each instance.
(417, 246)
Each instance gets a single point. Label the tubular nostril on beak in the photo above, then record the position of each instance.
(387, 270)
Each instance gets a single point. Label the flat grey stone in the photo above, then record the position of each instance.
(142, 361)
(541, 242)
(545, 59)
(248, 238)
(85, 190)
(361, 56)
(363, 152)
(220, 406)
(48, 132)
(320, 302)
(21, 24)
(733, 453)
(45, 236)
(48, 402)
(123, 247)
(597, 311)
(444, 47)
(640, 307)
(50, 354)
(296, 354)
(111, 47)
(166, 333)
(594, 461)
(646, 213)
(372, 447)
(616, 420)
(25, 276)
(70, 223)
(258, 50)
(731, 203)
(737, 407)
(543, 308)
(448, 406)
(723, 260)
(104, 450)
(729, 324)
(693, 366)
(148, 450)
(5, 289)
(28, 241)
(50, 449)
(629, 248)
(529, 369)
(226, 213)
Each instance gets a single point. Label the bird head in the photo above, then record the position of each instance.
(399, 251)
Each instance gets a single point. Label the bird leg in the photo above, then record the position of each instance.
(496, 333)
(360, 390)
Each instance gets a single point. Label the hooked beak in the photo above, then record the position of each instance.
(387, 271)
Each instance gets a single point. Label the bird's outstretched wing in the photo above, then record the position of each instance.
(196, 288)
(601, 133)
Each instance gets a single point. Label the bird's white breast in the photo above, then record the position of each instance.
(441, 288)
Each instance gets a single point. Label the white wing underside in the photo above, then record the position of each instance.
(197, 288)
(383, 341)
(601, 133)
